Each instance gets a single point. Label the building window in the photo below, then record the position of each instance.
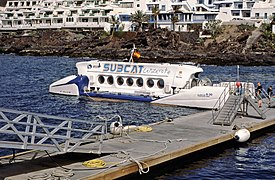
(257, 15)
(120, 81)
(139, 82)
(138, 5)
(101, 79)
(150, 83)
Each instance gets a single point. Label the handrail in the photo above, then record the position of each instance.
(186, 84)
(222, 100)
(25, 130)
(218, 104)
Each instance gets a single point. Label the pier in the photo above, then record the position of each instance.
(134, 151)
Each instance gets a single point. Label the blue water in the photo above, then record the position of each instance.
(24, 86)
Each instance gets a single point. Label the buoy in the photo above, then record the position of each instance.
(242, 135)
(116, 128)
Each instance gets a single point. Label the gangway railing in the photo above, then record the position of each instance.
(25, 130)
(220, 103)
(226, 108)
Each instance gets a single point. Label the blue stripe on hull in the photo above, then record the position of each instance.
(119, 96)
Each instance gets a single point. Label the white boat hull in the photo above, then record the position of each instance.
(197, 97)
(63, 87)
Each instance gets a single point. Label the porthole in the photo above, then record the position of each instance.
(110, 80)
(160, 84)
(150, 83)
(101, 79)
(129, 81)
(120, 80)
(139, 82)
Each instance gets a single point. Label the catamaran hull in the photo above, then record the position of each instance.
(71, 85)
(76, 86)
(198, 97)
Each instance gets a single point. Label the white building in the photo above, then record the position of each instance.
(188, 12)
(234, 9)
(263, 10)
(41, 14)
(95, 14)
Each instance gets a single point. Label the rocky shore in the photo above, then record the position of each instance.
(233, 46)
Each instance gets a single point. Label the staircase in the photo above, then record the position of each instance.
(272, 103)
(261, 112)
(226, 115)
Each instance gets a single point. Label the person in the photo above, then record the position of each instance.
(259, 90)
(269, 91)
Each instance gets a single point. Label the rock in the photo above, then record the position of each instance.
(158, 45)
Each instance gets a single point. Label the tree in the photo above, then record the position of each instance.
(115, 23)
(174, 20)
(176, 9)
(174, 17)
(155, 12)
(139, 18)
(214, 27)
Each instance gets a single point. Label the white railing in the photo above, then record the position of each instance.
(24, 130)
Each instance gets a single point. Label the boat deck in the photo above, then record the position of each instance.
(135, 151)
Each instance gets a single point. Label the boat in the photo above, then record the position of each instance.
(159, 83)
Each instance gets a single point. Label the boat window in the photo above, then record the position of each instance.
(129, 82)
(160, 83)
(120, 80)
(110, 80)
(139, 82)
(101, 79)
(150, 83)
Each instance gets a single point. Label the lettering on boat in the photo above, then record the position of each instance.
(205, 94)
(138, 69)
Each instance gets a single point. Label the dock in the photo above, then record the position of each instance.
(134, 152)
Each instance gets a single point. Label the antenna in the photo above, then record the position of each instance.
(238, 73)
(132, 52)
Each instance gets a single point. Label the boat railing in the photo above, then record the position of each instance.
(187, 85)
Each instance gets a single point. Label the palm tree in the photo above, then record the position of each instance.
(155, 12)
(176, 9)
(139, 18)
(174, 18)
(115, 23)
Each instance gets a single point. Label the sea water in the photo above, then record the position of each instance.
(24, 84)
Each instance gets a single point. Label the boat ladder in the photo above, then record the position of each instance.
(25, 130)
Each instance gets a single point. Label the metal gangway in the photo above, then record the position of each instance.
(231, 101)
(25, 130)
